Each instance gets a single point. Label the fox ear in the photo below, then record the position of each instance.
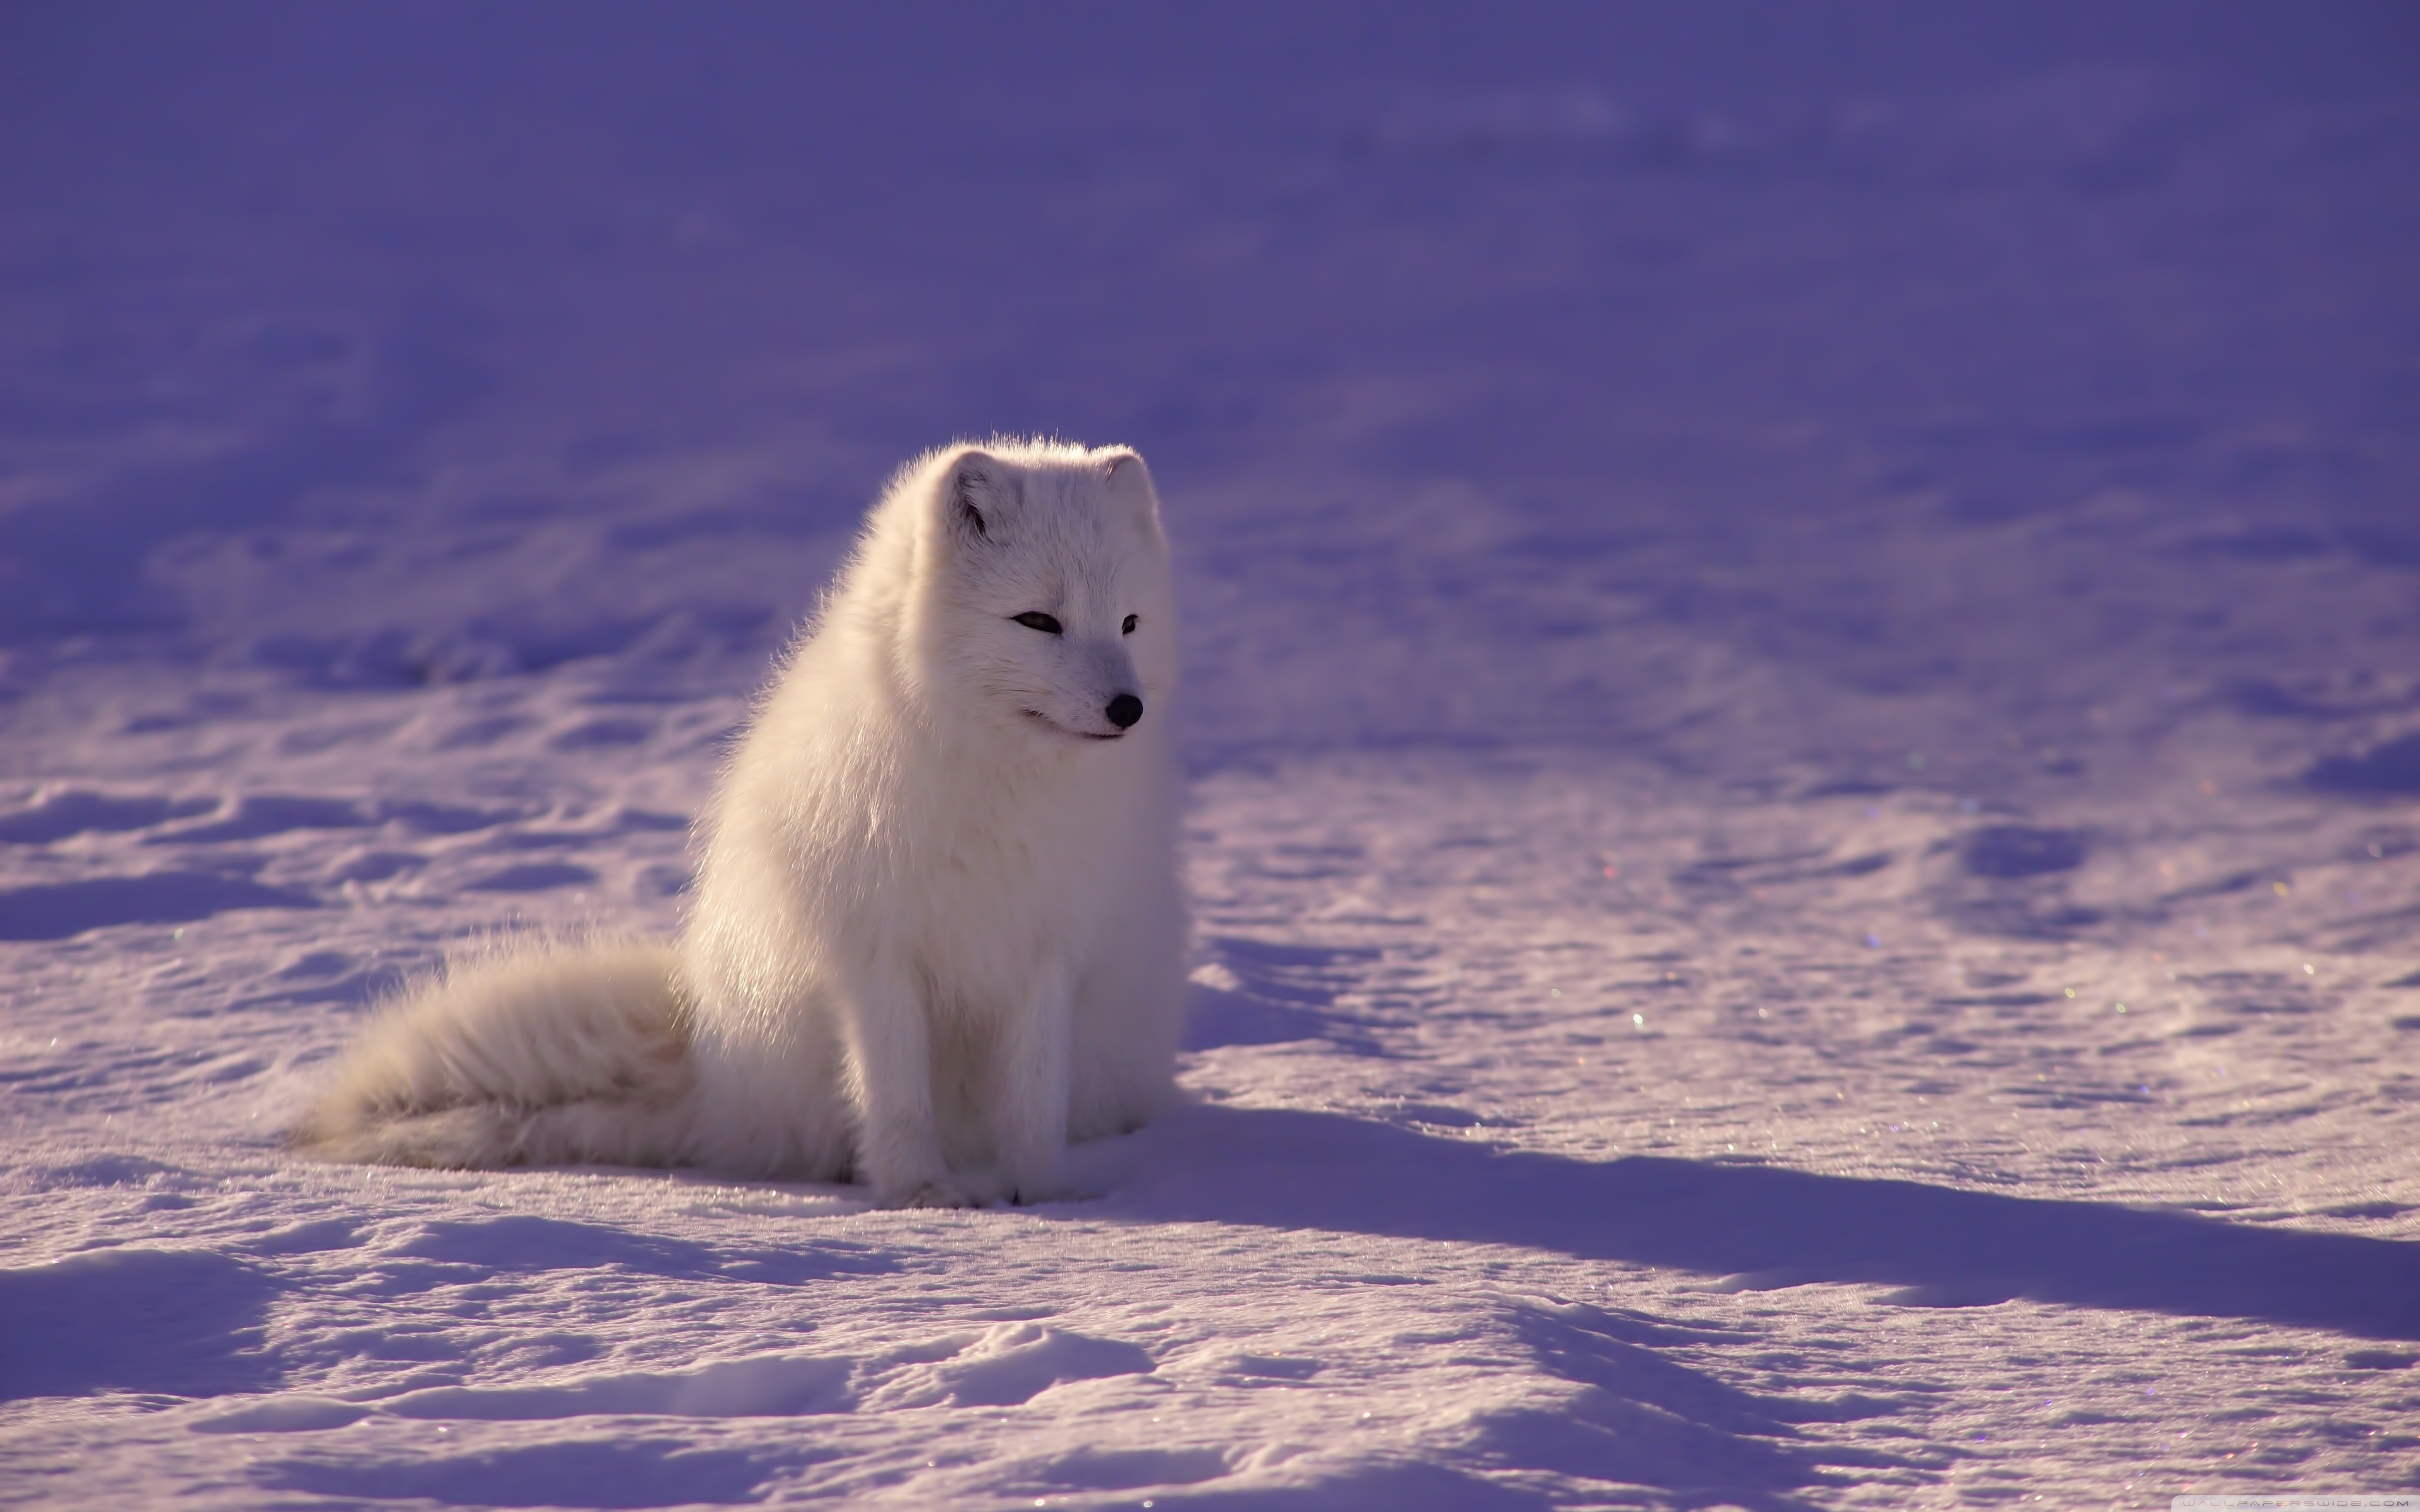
(1129, 479)
(973, 493)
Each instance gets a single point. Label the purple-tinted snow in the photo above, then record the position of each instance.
(1803, 655)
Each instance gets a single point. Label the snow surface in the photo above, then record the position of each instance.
(1753, 573)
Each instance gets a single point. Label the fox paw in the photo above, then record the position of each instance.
(940, 1191)
(1026, 1194)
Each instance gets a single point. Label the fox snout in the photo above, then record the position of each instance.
(1114, 681)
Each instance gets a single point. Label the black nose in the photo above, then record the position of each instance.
(1125, 710)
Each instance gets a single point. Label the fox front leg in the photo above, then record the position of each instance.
(1028, 1086)
(891, 1084)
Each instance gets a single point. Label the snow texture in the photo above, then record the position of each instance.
(1803, 719)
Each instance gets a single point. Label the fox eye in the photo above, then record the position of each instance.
(1127, 629)
(1036, 620)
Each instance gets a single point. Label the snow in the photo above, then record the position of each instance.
(1802, 713)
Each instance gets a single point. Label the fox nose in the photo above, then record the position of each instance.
(1125, 710)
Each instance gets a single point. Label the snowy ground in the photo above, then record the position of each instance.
(1805, 642)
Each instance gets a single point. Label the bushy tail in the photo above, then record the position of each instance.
(535, 1054)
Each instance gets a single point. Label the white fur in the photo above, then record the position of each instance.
(937, 932)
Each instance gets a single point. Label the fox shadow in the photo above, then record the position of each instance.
(1767, 1226)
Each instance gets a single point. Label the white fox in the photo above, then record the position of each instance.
(937, 932)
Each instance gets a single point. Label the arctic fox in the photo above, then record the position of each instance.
(937, 932)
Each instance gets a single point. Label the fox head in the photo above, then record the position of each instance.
(1046, 603)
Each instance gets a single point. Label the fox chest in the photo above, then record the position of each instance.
(993, 907)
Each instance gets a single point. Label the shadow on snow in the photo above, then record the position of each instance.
(1767, 1228)
(178, 1322)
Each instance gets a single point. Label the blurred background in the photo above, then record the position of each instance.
(1990, 397)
